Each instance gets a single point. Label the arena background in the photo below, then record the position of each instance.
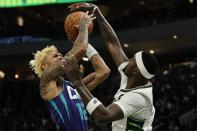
(166, 28)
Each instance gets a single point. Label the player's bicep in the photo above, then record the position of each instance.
(127, 109)
(117, 54)
(111, 113)
(116, 113)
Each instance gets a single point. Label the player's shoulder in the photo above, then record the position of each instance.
(122, 66)
(133, 98)
(68, 83)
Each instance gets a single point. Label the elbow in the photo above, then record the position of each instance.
(106, 73)
(102, 120)
(83, 50)
(103, 74)
(102, 115)
(80, 52)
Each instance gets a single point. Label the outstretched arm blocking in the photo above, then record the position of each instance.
(111, 40)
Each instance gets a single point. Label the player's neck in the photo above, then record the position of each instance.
(60, 82)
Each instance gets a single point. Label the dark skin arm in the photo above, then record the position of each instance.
(111, 40)
(102, 113)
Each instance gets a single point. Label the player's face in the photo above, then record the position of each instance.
(54, 58)
(132, 63)
(131, 67)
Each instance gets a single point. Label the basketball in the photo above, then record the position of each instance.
(70, 23)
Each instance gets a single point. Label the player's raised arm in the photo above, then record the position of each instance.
(111, 40)
(81, 42)
(101, 70)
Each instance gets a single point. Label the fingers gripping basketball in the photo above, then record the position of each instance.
(72, 21)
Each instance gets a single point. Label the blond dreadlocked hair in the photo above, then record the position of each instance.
(39, 58)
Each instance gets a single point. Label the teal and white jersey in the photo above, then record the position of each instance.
(136, 104)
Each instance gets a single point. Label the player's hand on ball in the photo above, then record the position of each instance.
(72, 24)
(83, 6)
(86, 19)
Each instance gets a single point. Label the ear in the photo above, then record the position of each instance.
(44, 66)
(136, 71)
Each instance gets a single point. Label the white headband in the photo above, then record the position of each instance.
(140, 65)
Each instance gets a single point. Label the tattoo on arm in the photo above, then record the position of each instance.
(80, 44)
(89, 81)
(52, 73)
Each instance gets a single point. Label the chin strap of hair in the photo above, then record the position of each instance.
(141, 67)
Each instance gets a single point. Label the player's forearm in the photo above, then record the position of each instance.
(82, 90)
(101, 111)
(101, 71)
(94, 79)
(111, 40)
(99, 65)
(80, 44)
(107, 31)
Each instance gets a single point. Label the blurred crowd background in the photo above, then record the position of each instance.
(165, 28)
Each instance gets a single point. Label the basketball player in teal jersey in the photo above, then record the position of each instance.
(62, 100)
(132, 108)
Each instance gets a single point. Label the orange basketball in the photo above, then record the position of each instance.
(70, 23)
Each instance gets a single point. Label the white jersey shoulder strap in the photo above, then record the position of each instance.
(124, 78)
